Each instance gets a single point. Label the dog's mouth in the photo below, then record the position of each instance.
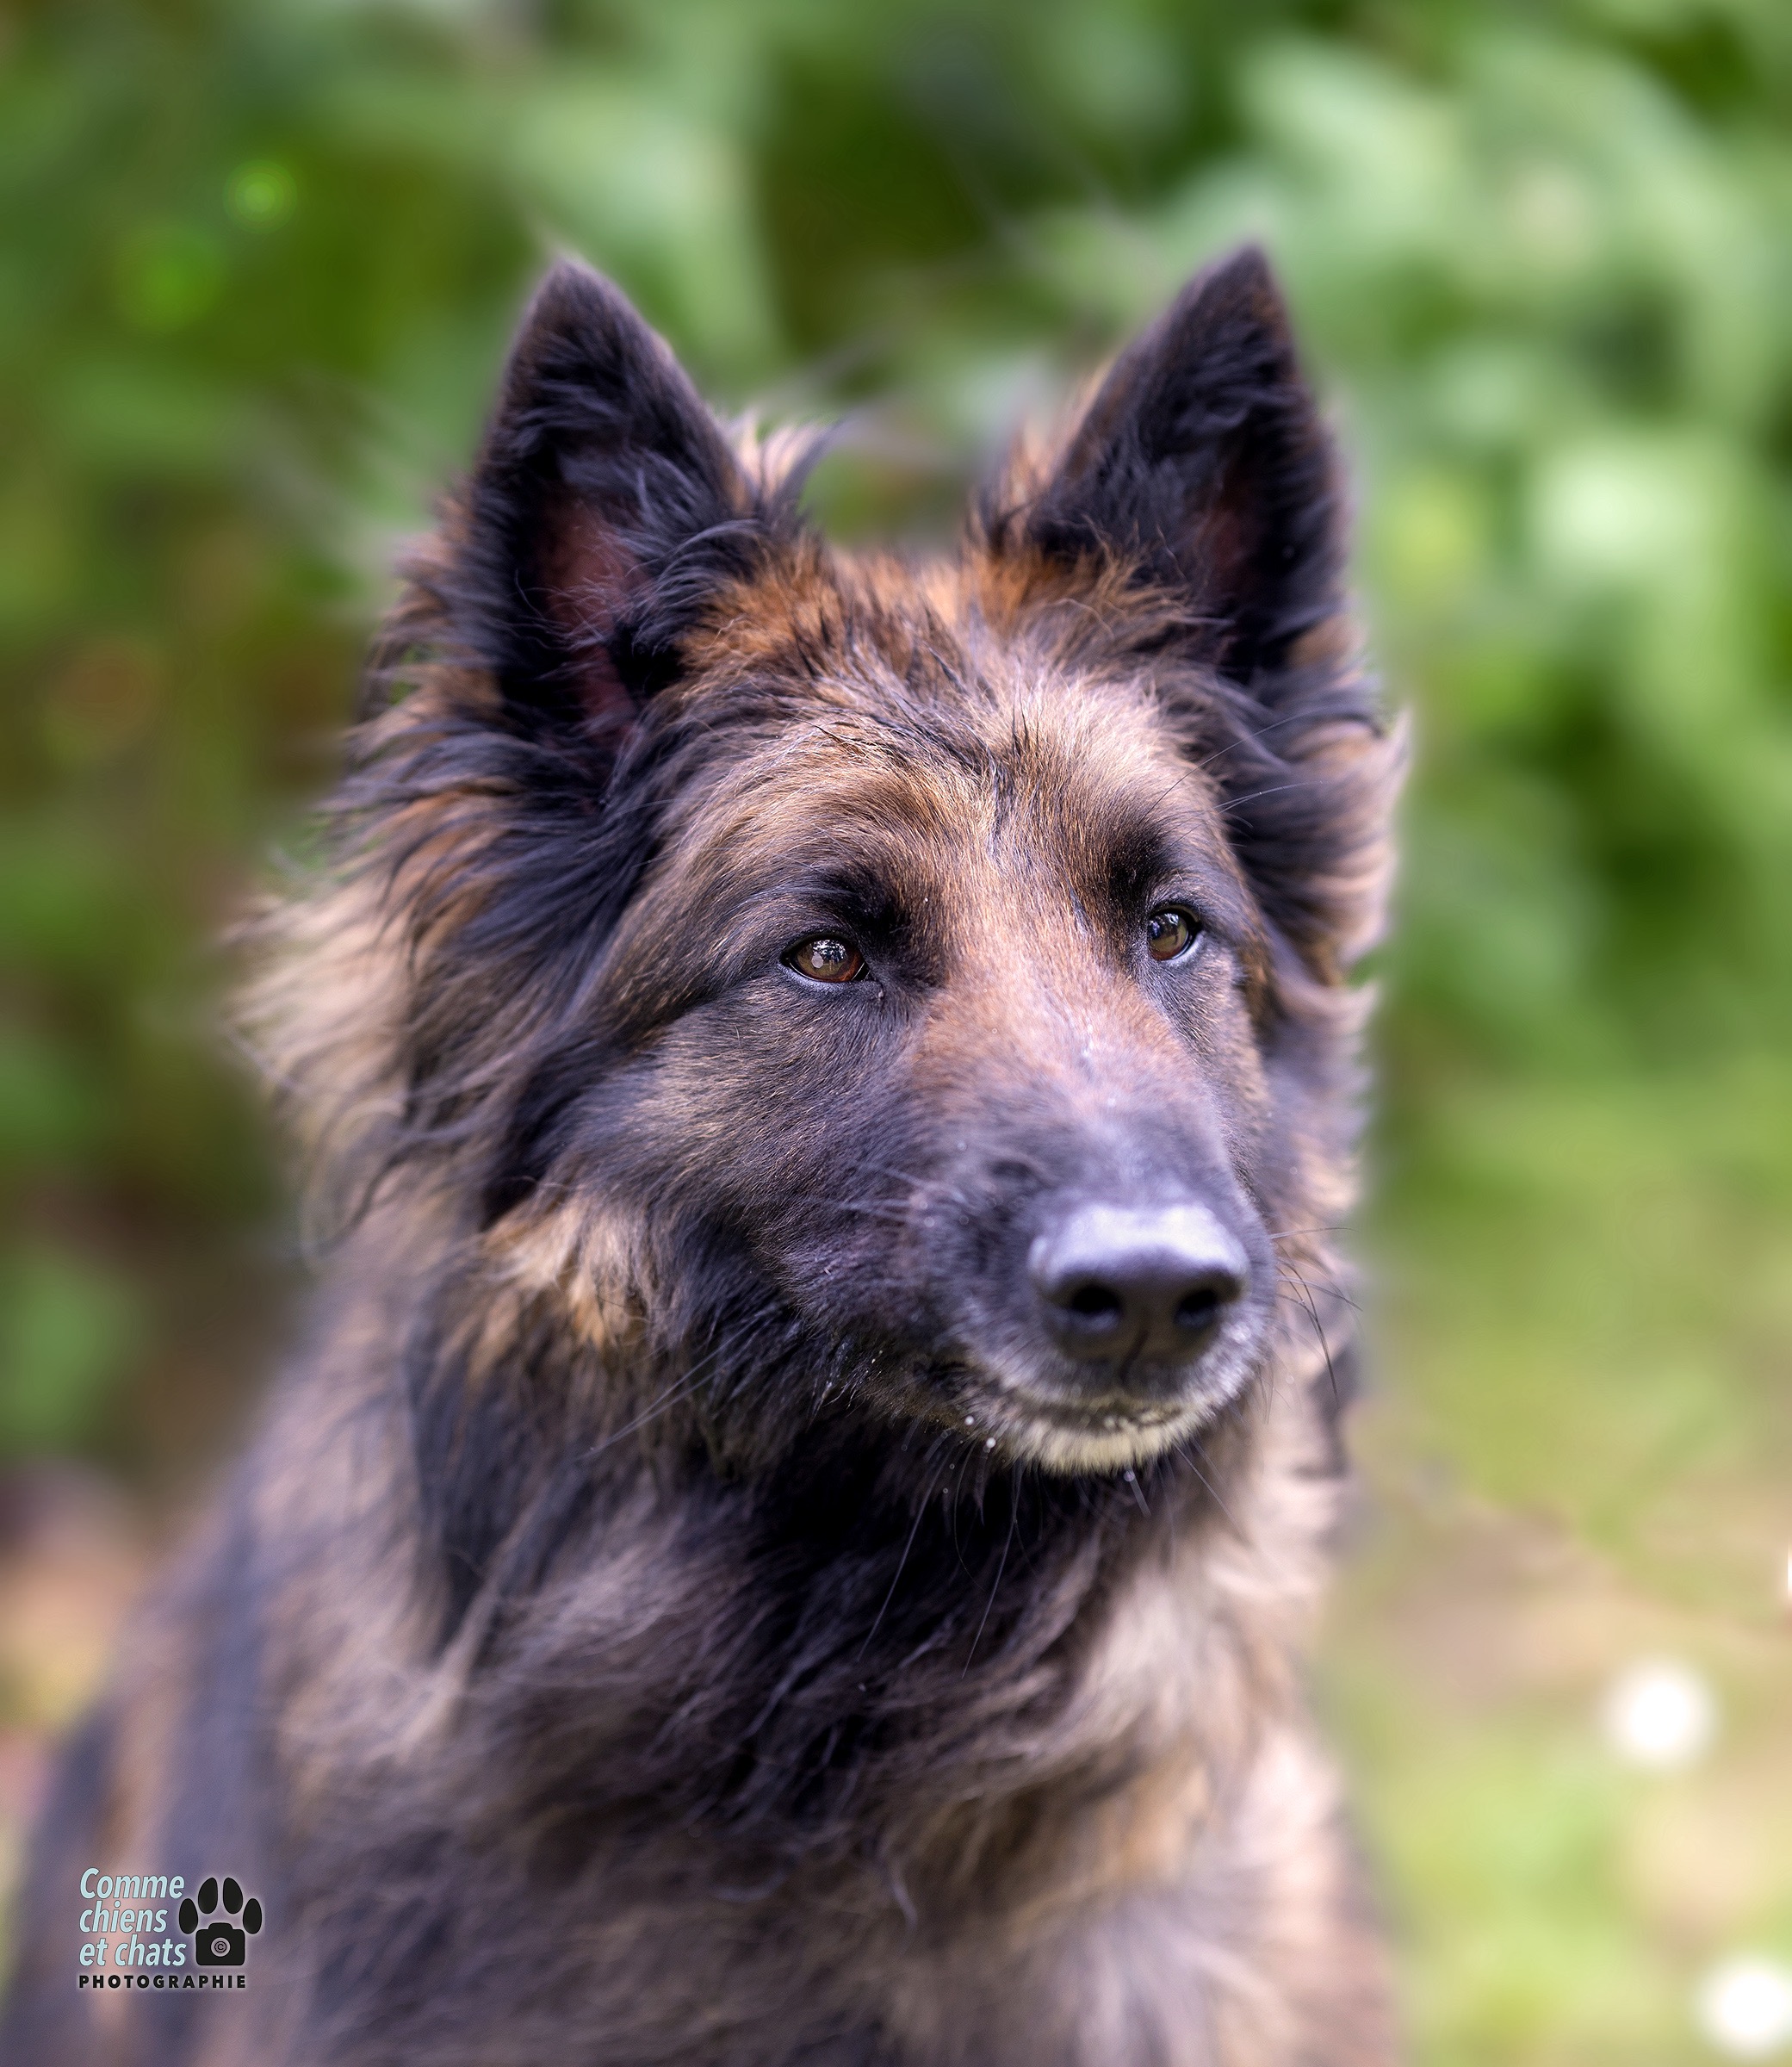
(1106, 1417)
(1021, 1420)
(1101, 1435)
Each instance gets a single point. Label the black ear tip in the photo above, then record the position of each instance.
(1242, 283)
(572, 307)
(572, 292)
(1248, 264)
(582, 327)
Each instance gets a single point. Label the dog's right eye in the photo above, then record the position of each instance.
(1171, 932)
(827, 959)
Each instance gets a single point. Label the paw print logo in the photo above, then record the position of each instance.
(220, 1940)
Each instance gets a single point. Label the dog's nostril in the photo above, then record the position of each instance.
(1197, 1309)
(1204, 1303)
(1095, 1302)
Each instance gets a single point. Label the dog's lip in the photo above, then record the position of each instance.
(988, 1404)
(1101, 1416)
(1099, 1436)
(1200, 1394)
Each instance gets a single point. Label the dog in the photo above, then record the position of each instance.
(826, 1086)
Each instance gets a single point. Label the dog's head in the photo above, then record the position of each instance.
(913, 992)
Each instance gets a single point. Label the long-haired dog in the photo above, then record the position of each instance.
(831, 1081)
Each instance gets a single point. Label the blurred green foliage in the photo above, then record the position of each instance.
(258, 259)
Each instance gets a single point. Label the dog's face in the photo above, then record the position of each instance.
(941, 1008)
(914, 986)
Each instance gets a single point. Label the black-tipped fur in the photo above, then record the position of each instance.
(1202, 463)
(684, 1605)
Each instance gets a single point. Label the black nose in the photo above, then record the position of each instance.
(1119, 1284)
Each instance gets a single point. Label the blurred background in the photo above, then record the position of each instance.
(258, 261)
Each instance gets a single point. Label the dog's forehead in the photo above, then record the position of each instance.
(945, 741)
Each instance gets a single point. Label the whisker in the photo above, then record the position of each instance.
(680, 1388)
(1274, 790)
(921, 1507)
(1245, 738)
(1212, 1490)
(667, 1399)
(870, 1209)
(1319, 1330)
(1000, 1567)
(1332, 1289)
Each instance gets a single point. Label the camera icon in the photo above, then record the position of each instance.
(220, 1944)
(220, 1941)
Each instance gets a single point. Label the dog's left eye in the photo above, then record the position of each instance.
(827, 959)
(1169, 931)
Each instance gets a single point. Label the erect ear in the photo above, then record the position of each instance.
(1202, 462)
(604, 503)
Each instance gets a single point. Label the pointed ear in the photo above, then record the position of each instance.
(604, 503)
(1203, 462)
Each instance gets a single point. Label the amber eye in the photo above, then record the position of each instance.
(826, 960)
(1170, 931)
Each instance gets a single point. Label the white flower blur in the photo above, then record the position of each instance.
(1660, 1715)
(1744, 2008)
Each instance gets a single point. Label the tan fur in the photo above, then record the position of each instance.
(649, 1652)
